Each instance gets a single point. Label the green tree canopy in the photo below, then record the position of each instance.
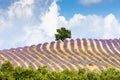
(62, 34)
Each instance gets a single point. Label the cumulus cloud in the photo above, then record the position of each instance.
(93, 26)
(21, 19)
(21, 9)
(44, 31)
(111, 27)
(28, 22)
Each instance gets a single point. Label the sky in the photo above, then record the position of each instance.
(30, 22)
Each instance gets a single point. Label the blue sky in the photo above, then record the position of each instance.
(69, 7)
(30, 22)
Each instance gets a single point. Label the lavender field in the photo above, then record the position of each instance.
(90, 54)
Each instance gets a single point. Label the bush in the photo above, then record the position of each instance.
(7, 67)
(43, 70)
(110, 74)
(8, 72)
(53, 75)
(29, 73)
(92, 76)
(69, 74)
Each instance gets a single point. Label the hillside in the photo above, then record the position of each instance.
(91, 54)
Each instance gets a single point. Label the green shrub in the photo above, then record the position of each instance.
(29, 73)
(43, 70)
(7, 67)
(8, 72)
(92, 75)
(53, 75)
(69, 74)
(110, 74)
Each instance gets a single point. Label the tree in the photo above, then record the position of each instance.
(62, 34)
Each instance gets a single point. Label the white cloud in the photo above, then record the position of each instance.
(20, 22)
(21, 10)
(49, 20)
(26, 22)
(111, 27)
(93, 26)
(44, 31)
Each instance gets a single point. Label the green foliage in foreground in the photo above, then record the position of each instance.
(8, 72)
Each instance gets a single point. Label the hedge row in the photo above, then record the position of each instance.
(8, 72)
